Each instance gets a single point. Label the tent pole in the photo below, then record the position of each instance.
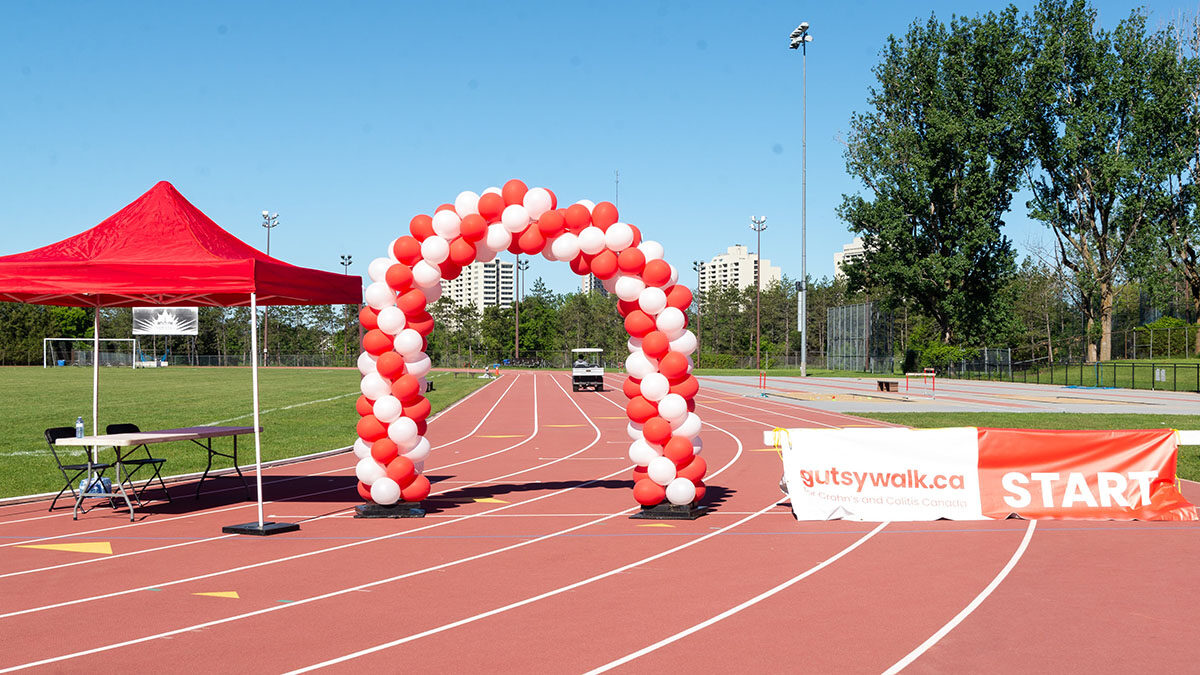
(95, 376)
(254, 389)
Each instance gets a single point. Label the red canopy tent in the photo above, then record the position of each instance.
(161, 250)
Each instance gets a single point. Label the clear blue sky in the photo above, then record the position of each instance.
(349, 118)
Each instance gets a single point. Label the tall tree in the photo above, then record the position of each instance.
(941, 151)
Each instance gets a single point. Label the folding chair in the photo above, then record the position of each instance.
(52, 435)
(124, 459)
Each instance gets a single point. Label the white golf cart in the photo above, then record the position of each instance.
(586, 371)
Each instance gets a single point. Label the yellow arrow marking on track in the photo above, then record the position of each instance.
(83, 547)
(220, 594)
(502, 436)
(655, 525)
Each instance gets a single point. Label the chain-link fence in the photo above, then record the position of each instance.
(859, 338)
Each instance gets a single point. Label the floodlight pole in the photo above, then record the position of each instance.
(758, 224)
(521, 265)
(800, 39)
(346, 260)
(269, 222)
(698, 265)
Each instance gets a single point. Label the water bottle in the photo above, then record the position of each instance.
(78, 427)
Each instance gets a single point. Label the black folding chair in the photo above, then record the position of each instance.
(134, 464)
(52, 435)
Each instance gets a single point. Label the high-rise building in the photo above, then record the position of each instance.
(482, 284)
(849, 253)
(590, 284)
(736, 267)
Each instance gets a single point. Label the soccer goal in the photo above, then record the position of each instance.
(118, 352)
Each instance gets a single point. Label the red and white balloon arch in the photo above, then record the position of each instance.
(663, 427)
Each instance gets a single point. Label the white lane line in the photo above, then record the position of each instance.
(966, 611)
(286, 407)
(736, 457)
(734, 610)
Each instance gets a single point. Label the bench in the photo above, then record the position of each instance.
(888, 385)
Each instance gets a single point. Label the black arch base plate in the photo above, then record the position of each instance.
(263, 530)
(669, 511)
(397, 510)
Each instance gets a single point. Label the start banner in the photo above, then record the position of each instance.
(975, 474)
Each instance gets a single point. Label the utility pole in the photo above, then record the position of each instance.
(799, 40)
(758, 224)
(698, 265)
(269, 222)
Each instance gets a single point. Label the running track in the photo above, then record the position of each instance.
(528, 562)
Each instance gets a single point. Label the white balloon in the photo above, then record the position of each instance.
(548, 254)
(679, 491)
(697, 445)
(446, 224)
(425, 274)
(514, 218)
(638, 365)
(466, 203)
(618, 237)
(591, 240)
(385, 491)
(497, 238)
(690, 427)
(403, 432)
(368, 470)
(629, 288)
(674, 278)
(672, 407)
(609, 284)
(379, 295)
(655, 386)
(565, 247)
(391, 250)
(417, 367)
(387, 409)
(432, 293)
(641, 452)
(374, 386)
(493, 191)
(634, 430)
(660, 470)
(634, 344)
(652, 300)
(408, 341)
(684, 344)
(361, 448)
(420, 451)
(537, 201)
(484, 254)
(435, 249)
(652, 250)
(378, 268)
(391, 320)
(420, 466)
(366, 363)
(671, 321)
(588, 204)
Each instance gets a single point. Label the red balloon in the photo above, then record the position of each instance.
(551, 224)
(679, 297)
(419, 489)
(399, 277)
(657, 430)
(639, 409)
(638, 323)
(656, 344)
(578, 218)
(531, 241)
(632, 387)
(473, 227)
(553, 199)
(401, 470)
(422, 323)
(580, 265)
(389, 365)
(604, 265)
(407, 250)
(604, 214)
(639, 472)
(694, 470)
(513, 192)
(421, 227)
(377, 342)
(364, 491)
(462, 252)
(685, 387)
(422, 427)
(364, 406)
(631, 261)
(678, 450)
(673, 365)
(626, 306)
(411, 302)
(491, 205)
(384, 450)
(444, 207)
(406, 388)
(637, 235)
(370, 429)
(648, 493)
(700, 490)
(368, 317)
(656, 273)
(418, 409)
(450, 270)
(514, 246)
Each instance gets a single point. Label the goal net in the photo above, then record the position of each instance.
(120, 352)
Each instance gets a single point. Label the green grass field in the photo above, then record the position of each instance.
(1189, 455)
(302, 411)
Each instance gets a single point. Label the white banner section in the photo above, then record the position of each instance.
(881, 474)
